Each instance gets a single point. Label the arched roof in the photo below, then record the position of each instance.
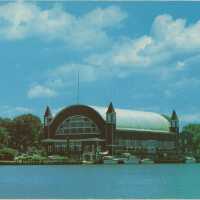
(125, 119)
(76, 110)
(137, 120)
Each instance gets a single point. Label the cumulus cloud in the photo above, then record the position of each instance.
(125, 53)
(170, 48)
(19, 20)
(67, 75)
(10, 111)
(40, 91)
(169, 41)
(176, 33)
(70, 71)
(64, 76)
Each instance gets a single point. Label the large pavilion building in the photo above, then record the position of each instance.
(81, 129)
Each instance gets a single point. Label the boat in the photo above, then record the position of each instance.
(104, 153)
(190, 159)
(146, 161)
(110, 160)
(131, 159)
(125, 158)
(113, 160)
(88, 162)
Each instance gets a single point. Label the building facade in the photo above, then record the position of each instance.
(90, 130)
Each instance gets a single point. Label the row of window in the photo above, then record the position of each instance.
(72, 146)
(77, 131)
(77, 125)
(146, 143)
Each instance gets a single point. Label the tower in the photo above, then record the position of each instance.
(111, 115)
(47, 117)
(174, 122)
(110, 127)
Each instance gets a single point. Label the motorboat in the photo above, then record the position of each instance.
(110, 160)
(113, 160)
(190, 159)
(130, 159)
(146, 161)
(87, 162)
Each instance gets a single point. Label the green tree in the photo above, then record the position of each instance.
(6, 123)
(194, 130)
(26, 131)
(4, 137)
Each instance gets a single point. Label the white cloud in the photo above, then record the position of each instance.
(9, 111)
(20, 20)
(175, 33)
(65, 72)
(169, 49)
(40, 91)
(67, 75)
(63, 76)
(170, 40)
(180, 65)
(125, 53)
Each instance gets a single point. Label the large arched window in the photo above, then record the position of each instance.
(77, 124)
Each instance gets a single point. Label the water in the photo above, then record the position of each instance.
(101, 181)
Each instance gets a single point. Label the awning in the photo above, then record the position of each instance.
(49, 140)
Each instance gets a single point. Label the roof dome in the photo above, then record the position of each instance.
(137, 120)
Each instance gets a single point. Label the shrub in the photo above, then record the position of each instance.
(7, 154)
(37, 157)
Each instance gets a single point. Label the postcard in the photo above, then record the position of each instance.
(99, 100)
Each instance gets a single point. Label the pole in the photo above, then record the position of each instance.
(78, 88)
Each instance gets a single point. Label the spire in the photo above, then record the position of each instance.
(174, 115)
(47, 112)
(174, 122)
(47, 116)
(110, 108)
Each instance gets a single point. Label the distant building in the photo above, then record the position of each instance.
(81, 129)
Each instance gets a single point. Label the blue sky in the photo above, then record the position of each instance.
(139, 55)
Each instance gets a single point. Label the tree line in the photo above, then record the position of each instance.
(20, 135)
(191, 137)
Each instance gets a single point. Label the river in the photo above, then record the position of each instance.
(101, 181)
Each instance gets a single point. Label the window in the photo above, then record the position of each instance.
(75, 146)
(77, 124)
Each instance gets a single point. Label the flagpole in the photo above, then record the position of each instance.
(77, 88)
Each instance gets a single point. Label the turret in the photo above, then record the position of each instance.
(111, 115)
(111, 125)
(174, 122)
(47, 116)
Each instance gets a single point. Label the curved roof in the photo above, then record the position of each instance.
(137, 120)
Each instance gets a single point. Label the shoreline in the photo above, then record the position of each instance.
(75, 163)
(40, 163)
